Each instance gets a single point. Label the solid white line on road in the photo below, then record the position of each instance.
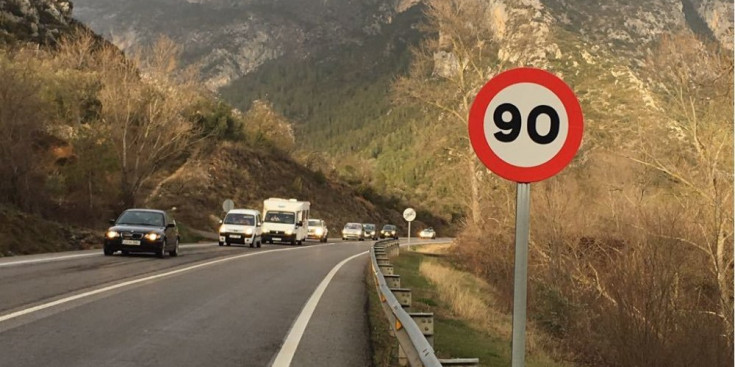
(96, 253)
(48, 259)
(288, 349)
(136, 281)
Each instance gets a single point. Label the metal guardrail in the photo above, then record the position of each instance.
(413, 344)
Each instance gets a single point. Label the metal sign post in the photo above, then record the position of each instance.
(520, 277)
(525, 125)
(409, 233)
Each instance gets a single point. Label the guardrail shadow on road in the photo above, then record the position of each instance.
(414, 331)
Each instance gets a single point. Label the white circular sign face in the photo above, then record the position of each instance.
(409, 215)
(525, 125)
(228, 205)
(512, 109)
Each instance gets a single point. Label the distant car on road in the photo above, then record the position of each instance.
(389, 231)
(142, 230)
(241, 226)
(353, 231)
(370, 230)
(428, 233)
(318, 230)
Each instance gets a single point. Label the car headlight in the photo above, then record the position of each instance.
(289, 232)
(221, 228)
(249, 231)
(319, 231)
(112, 234)
(152, 236)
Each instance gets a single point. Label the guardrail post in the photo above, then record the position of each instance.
(460, 362)
(393, 281)
(425, 322)
(386, 269)
(403, 295)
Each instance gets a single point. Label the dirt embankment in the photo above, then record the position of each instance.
(248, 176)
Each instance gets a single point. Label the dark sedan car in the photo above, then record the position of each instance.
(143, 230)
(389, 231)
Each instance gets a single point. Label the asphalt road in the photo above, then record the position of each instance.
(211, 306)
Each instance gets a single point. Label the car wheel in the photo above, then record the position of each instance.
(162, 252)
(107, 252)
(175, 251)
(221, 243)
(125, 252)
(259, 243)
(227, 243)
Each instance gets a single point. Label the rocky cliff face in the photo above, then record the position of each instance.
(718, 15)
(38, 21)
(231, 38)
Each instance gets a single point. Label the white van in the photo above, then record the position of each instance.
(285, 220)
(241, 226)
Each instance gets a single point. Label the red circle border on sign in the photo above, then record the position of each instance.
(476, 125)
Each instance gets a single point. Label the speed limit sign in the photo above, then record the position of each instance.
(525, 125)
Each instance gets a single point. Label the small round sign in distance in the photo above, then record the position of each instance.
(228, 205)
(525, 125)
(409, 214)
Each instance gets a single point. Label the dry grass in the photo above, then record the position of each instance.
(438, 249)
(470, 298)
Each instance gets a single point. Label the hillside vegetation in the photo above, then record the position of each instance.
(90, 132)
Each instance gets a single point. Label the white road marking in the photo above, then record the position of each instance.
(69, 257)
(48, 259)
(288, 349)
(136, 281)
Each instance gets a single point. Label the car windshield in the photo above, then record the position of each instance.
(389, 228)
(369, 227)
(141, 218)
(353, 226)
(240, 219)
(314, 223)
(279, 217)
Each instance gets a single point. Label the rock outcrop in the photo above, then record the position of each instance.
(37, 21)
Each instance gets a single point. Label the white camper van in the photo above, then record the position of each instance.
(241, 226)
(285, 220)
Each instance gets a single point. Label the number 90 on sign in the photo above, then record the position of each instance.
(525, 125)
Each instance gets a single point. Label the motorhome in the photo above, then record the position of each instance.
(241, 226)
(285, 220)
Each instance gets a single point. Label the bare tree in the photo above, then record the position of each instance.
(693, 148)
(143, 113)
(21, 123)
(449, 69)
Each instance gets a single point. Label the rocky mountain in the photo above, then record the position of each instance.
(34, 21)
(229, 38)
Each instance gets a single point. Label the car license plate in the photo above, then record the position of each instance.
(131, 242)
(235, 236)
(276, 238)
